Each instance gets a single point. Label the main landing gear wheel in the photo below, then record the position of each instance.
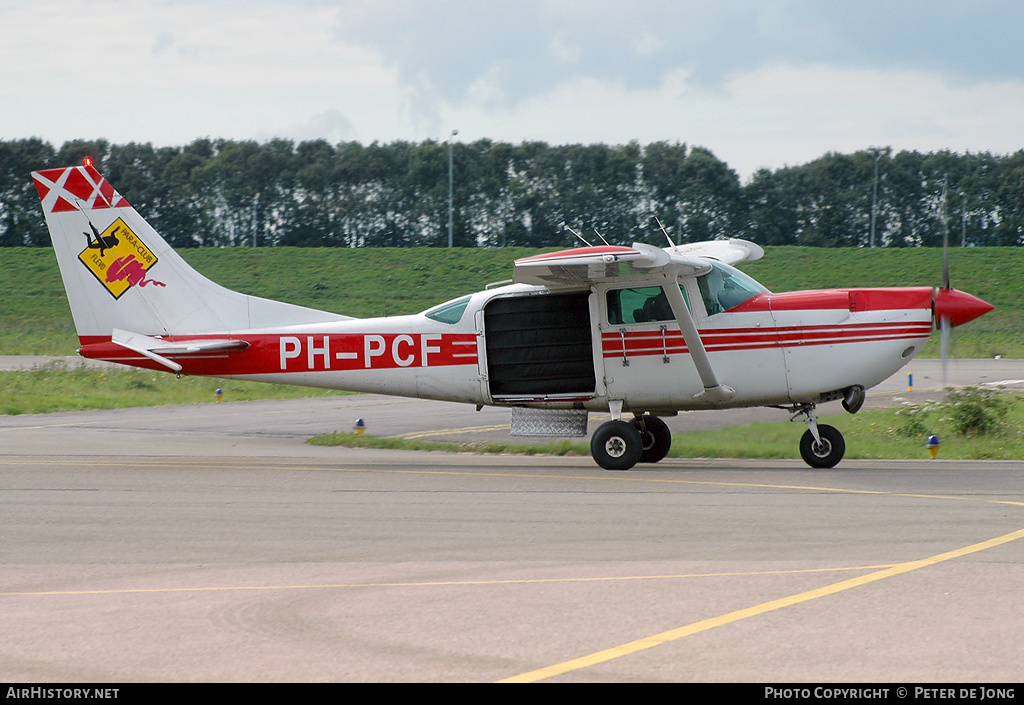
(825, 454)
(655, 437)
(616, 445)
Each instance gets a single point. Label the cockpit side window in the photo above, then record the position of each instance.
(449, 312)
(644, 304)
(725, 287)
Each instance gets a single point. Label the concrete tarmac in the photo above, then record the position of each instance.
(211, 543)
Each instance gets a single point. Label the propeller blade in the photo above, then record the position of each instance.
(945, 240)
(945, 322)
(945, 261)
(945, 329)
(951, 307)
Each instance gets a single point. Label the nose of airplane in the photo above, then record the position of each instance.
(958, 306)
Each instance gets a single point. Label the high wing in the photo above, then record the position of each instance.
(600, 264)
(595, 264)
(592, 264)
(732, 251)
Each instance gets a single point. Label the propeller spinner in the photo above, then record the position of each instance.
(955, 307)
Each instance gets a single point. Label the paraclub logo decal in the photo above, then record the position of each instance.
(118, 258)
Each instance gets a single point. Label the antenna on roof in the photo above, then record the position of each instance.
(577, 235)
(602, 238)
(672, 244)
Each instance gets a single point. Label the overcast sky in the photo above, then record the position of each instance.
(761, 83)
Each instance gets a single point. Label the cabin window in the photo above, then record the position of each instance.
(449, 312)
(725, 287)
(645, 304)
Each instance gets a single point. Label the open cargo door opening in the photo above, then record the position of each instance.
(540, 346)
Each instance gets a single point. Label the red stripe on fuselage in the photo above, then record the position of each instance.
(855, 300)
(739, 339)
(276, 353)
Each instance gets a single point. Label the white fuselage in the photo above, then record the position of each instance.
(769, 354)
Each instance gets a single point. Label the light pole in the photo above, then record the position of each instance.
(454, 132)
(963, 220)
(255, 217)
(874, 199)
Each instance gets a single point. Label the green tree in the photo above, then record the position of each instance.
(21, 220)
(695, 195)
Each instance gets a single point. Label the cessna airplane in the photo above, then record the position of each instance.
(641, 332)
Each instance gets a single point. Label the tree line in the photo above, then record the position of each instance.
(230, 193)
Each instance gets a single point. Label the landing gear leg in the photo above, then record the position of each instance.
(821, 446)
(655, 436)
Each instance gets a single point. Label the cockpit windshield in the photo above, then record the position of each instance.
(726, 287)
(450, 311)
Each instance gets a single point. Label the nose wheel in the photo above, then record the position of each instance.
(823, 453)
(821, 446)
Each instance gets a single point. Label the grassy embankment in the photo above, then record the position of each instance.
(34, 319)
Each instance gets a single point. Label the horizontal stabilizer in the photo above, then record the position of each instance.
(155, 348)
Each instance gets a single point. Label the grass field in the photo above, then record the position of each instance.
(35, 319)
(55, 387)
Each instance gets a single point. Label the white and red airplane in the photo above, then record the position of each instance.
(641, 332)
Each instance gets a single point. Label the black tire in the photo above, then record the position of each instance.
(616, 445)
(655, 437)
(828, 453)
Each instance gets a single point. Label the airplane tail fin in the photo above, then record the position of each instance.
(120, 274)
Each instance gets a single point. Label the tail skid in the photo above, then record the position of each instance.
(120, 274)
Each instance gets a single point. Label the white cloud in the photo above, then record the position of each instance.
(329, 125)
(648, 43)
(759, 83)
(770, 117)
(563, 51)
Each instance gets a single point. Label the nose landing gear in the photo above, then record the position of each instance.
(821, 446)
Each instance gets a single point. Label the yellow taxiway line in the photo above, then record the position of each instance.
(765, 607)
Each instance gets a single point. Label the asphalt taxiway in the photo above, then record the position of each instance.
(211, 543)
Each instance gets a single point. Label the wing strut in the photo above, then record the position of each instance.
(714, 391)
